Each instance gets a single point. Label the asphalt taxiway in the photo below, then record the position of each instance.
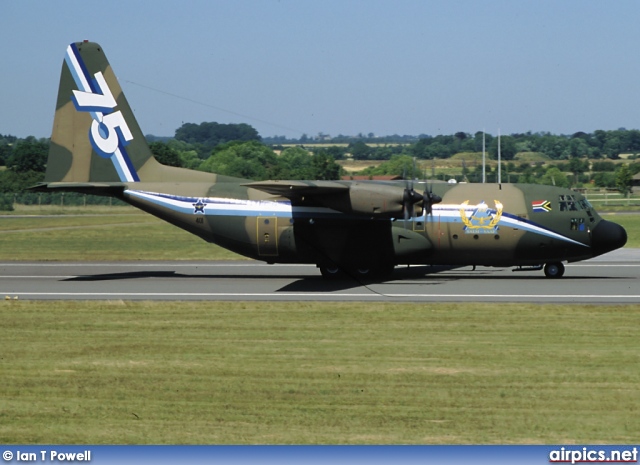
(611, 278)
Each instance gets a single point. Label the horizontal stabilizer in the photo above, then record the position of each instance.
(95, 188)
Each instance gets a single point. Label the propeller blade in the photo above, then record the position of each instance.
(413, 175)
(409, 198)
(430, 199)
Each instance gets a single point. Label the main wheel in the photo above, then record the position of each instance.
(376, 272)
(554, 270)
(334, 272)
(331, 272)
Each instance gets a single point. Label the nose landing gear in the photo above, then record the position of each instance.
(554, 270)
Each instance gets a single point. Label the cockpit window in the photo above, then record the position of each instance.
(568, 203)
(572, 203)
(588, 206)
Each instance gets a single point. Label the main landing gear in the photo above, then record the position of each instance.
(333, 272)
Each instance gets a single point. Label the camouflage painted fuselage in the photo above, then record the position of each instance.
(475, 224)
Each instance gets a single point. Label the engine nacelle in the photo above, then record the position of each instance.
(372, 200)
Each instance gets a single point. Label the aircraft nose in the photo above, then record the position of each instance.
(607, 236)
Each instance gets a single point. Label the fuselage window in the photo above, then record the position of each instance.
(577, 224)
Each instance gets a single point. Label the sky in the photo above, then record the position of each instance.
(294, 67)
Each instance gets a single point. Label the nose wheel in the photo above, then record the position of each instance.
(554, 270)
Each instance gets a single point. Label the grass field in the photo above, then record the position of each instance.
(632, 225)
(129, 234)
(299, 373)
(305, 373)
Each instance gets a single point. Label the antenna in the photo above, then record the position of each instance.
(484, 171)
(499, 163)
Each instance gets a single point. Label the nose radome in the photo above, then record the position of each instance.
(607, 236)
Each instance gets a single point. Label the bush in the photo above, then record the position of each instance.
(6, 202)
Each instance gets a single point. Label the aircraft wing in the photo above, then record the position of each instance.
(297, 189)
(368, 198)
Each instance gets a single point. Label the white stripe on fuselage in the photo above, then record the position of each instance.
(218, 206)
(451, 214)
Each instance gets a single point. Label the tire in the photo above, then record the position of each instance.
(331, 272)
(376, 273)
(554, 270)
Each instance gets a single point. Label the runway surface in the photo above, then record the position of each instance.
(612, 278)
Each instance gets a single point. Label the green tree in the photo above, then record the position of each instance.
(189, 155)
(190, 159)
(633, 141)
(578, 167)
(578, 148)
(421, 148)
(439, 150)
(624, 179)
(634, 168)
(527, 176)
(251, 160)
(165, 154)
(508, 148)
(554, 147)
(398, 165)
(324, 167)
(604, 166)
(554, 177)
(477, 139)
(12, 182)
(359, 150)
(5, 152)
(294, 163)
(604, 179)
(213, 134)
(612, 147)
(336, 152)
(29, 155)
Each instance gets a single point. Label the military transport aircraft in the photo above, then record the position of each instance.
(352, 228)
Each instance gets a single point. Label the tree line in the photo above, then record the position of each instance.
(575, 173)
(598, 144)
(238, 150)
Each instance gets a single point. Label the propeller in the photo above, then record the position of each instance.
(430, 199)
(410, 197)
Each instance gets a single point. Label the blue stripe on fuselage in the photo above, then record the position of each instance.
(216, 206)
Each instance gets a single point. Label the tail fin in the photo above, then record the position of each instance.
(95, 135)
